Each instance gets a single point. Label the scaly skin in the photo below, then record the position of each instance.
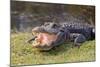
(81, 28)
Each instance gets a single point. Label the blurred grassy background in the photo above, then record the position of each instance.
(22, 53)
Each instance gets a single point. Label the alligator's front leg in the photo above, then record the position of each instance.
(78, 39)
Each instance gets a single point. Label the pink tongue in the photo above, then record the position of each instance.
(45, 38)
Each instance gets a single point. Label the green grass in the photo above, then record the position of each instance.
(22, 53)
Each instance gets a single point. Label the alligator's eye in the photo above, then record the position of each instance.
(46, 24)
(54, 25)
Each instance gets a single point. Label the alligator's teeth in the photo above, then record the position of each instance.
(34, 33)
(35, 43)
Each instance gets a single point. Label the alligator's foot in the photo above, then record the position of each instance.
(77, 45)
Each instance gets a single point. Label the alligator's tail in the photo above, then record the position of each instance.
(93, 33)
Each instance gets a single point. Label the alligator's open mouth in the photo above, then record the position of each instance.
(43, 41)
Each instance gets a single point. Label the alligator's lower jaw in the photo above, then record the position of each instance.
(37, 46)
(43, 49)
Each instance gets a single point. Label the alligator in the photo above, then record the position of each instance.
(75, 32)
